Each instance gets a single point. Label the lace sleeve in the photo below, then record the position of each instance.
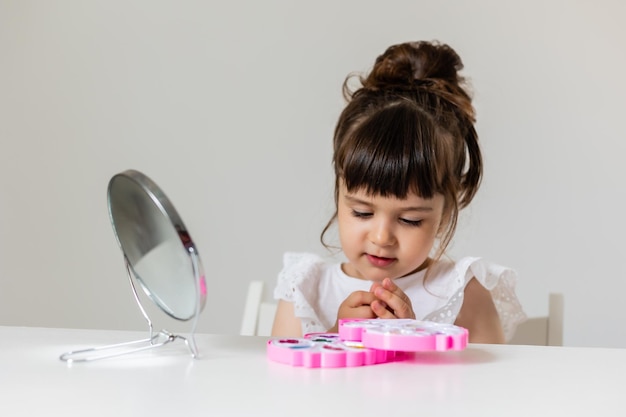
(499, 280)
(298, 284)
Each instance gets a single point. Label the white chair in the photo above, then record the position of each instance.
(258, 315)
(543, 331)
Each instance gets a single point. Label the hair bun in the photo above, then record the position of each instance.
(430, 67)
(413, 63)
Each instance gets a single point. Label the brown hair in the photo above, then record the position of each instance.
(409, 127)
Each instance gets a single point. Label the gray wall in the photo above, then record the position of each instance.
(230, 106)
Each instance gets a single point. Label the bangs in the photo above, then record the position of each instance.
(391, 154)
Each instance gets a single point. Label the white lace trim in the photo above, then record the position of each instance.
(499, 280)
(301, 270)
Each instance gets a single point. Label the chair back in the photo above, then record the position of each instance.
(543, 331)
(258, 316)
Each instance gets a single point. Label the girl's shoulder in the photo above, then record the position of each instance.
(457, 273)
(301, 273)
(449, 278)
(303, 263)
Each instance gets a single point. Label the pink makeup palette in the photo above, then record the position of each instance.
(367, 342)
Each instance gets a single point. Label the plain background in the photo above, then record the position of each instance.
(230, 108)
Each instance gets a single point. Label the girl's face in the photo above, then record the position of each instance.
(385, 236)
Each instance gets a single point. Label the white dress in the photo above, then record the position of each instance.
(317, 288)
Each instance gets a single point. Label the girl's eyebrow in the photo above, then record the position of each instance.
(356, 200)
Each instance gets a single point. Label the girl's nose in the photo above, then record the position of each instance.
(381, 234)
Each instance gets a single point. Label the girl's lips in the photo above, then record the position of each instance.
(378, 261)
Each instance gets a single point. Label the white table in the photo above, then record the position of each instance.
(234, 378)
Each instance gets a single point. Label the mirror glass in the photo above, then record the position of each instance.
(156, 244)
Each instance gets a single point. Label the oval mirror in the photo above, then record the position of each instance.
(159, 254)
(156, 244)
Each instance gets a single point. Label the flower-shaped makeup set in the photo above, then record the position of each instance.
(367, 342)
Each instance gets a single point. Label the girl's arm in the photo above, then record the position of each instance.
(479, 316)
(286, 324)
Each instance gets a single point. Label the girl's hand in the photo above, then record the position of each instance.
(391, 302)
(356, 306)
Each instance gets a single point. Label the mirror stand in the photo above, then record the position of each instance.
(154, 340)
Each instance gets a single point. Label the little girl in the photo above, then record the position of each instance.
(406, 160)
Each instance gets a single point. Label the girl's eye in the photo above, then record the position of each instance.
(361, 214)
(411, 222)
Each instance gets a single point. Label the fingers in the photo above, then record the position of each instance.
(362, 312)
(357, 305)
(384, 300)
(359, 298)
(381, 310)
(391, 302)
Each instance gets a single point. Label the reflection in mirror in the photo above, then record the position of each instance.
(159, 255)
